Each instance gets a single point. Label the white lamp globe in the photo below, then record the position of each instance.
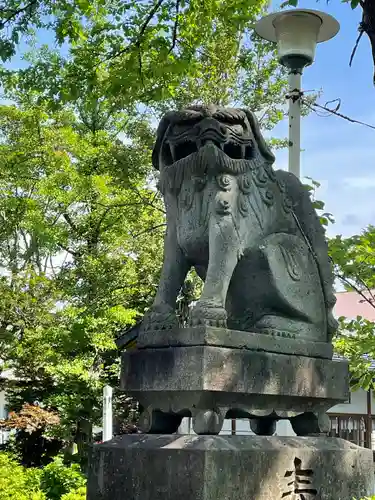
(297, 33)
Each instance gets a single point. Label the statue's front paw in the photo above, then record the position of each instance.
(160, 318)
(332, 325)
(207, 314)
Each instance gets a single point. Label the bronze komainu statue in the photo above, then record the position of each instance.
(251, 233)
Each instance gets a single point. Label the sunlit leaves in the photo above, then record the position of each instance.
(356, 342)
(72, 204)
(82, 224)
(294, 3)
(355, 259)
(205, 54)
(354, 264)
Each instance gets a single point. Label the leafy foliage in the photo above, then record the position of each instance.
(54, 482)
(77, 494)
(16, 482)
(354, 261)
(354, 265)
(158, 53)
(325, 217)
(72, 217)
(30, 419)
(31, 441)
(82, 222)
(294, 3)
(58, 480)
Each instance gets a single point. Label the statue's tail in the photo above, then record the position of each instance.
(312, 231)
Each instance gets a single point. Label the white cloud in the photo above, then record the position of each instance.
(365, 182)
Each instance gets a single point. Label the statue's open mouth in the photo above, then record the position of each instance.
(181, 146)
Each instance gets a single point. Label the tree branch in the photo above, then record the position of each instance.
(70, 222)
(175, 27)
(138, 41)
(146, 202)
(16, 12)
(356, 289)
(68, 250)
(361, 31)
(368, 24)
(149, 230)
(140, 65)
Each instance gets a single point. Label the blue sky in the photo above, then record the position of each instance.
(339, 154)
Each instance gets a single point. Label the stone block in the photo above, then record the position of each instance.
(157, 467)
(240, 382)
(234, 339)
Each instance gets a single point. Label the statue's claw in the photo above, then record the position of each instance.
(160, 317)
(205, 314)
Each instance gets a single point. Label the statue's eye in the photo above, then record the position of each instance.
(249, 152)
(184, 149)
(237, 151)
(233, 150)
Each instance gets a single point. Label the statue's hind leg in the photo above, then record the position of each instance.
(276, 290)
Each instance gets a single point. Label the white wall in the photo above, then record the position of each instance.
(3, 414)
(358, 404)
(283, 427)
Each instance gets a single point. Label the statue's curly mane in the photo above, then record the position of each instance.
(230, 115)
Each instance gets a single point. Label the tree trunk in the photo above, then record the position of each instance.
(83, 440)
(368, 24)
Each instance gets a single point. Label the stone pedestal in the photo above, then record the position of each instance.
(215, 373)
(160, 467)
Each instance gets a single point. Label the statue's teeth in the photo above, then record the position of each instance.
(172, 147)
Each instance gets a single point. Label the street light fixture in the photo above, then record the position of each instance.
(296, 33)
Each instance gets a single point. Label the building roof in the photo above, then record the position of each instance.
(352, 304)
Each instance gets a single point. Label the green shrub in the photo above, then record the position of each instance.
(55, 482)
(79, 494)
(58, 479)
(18, 483)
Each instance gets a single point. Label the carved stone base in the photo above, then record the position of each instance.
(144, 467)
(234, 339)
(212, 383)
(263, 426)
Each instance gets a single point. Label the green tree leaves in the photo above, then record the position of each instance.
(354, 263)
(82, 223)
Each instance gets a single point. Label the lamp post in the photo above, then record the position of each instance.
(296, 33)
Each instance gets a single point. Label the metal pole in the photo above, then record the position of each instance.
(369, 420)
(295, 122)
(107, 413)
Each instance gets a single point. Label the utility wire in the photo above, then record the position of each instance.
(336, 113)
(314, 106)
